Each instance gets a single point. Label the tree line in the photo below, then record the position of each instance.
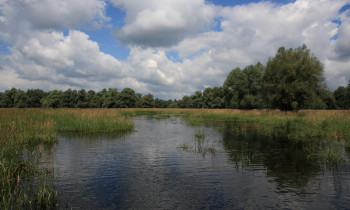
(291, 80)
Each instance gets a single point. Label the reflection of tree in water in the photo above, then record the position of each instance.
(282, 159)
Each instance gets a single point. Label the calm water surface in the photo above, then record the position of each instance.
(164, 165)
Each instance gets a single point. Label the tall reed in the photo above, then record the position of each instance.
(326, 130)
(21, 128)
(90, 120)
(24, 183)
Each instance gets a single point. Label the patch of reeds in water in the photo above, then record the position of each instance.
(299, 126)
(24, 183)
(200, 145)
(328, 128)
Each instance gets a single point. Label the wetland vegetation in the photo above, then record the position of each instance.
(24, 182)
(27, 181)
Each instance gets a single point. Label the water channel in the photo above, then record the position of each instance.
(168, 164)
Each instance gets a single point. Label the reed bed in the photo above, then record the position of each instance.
(91, 120)
(21, 181)
(325, 134)
(24, 182)
(300, 126)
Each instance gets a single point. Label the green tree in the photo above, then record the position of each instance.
(52, 100)
(242, 88)
(35, 96)
(68, 98)
(213, 98)
(138, 100)
(110, 98)
(328, 99)
(185, 102)
(342, 97)
(8, 99)
(82, 99)
(235, 88)
(147, 101)
(5, 101)
(97, 100)
(173, 104)
(90, 96)
(160, 103)
(197, 100)
(21, 99)
(253, 93)
(294, 80)
(127, 98)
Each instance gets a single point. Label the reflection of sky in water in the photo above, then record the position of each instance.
(145, 169)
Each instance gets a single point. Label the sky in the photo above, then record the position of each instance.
(169, 48)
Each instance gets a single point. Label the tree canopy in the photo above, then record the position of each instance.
(294, 80)
(243, 88)
(291, 80)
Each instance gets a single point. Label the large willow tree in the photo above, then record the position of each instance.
(294, 80)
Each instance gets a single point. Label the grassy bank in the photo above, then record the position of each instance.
(90, 120)
(324, 134)
(24, 182)
(299, 126)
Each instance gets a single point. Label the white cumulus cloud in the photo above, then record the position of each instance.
(48, 49)
(157, 23)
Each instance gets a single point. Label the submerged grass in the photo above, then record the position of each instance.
(24, 182)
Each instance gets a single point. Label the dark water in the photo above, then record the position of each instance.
(166, 164)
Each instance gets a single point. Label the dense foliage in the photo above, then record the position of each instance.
(294, 80)
(291, 80)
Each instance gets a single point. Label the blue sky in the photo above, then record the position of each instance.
(169, 48)
(110, 45)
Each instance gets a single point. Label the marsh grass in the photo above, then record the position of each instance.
(329, 128)
(20, 178)
(162, 116)
(200, 145)
(298, 126)
(91, 120)
(199, 135)
(24, 181)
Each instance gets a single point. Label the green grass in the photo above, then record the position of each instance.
(199, 135)
(24, 182)
(20, 179)
(298, 126)
(91, 120)
(329, 130)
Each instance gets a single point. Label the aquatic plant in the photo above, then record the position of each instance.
(302, 126)
(184, 146)
(24, 183)
(20, 179)
(199, 135)
(91, 120)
